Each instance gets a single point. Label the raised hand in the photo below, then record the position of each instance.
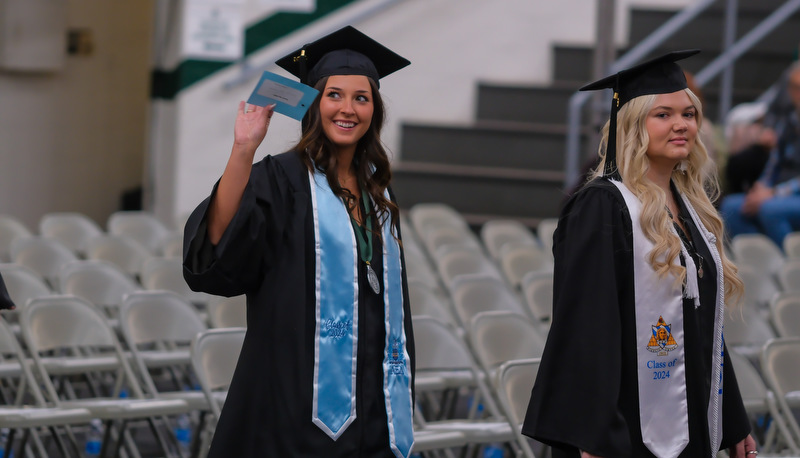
(252, 123)
(248, 132)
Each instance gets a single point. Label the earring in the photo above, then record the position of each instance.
(682, 166)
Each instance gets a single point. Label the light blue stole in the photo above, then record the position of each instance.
(336, 344)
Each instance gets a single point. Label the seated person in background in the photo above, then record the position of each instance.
(772, 205)
(749, 144)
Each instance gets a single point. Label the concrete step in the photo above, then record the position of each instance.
(536, 104)
(480, 193)
(755, 70)
(706, 30)
(533, 104)
(491, 144)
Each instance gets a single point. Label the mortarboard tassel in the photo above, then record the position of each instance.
(302, 66)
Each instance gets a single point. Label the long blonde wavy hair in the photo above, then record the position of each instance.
(698, 183)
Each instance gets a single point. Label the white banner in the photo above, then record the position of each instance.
(213, 31)
(291, 5)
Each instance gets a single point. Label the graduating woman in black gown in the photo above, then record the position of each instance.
(311, 237)
(635, 363)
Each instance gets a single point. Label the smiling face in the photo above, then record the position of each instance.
(346, 108)
(672, 127)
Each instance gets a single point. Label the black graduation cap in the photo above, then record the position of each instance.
(656, 76)
(344, 52)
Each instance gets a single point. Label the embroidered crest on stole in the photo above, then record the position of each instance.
(662, 342)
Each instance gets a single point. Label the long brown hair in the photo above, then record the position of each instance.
(370, 160)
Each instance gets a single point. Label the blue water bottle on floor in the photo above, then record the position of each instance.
(94, 438)
(493, 451)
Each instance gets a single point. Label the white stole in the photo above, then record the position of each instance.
(663, 411)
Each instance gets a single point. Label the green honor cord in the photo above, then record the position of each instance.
(364, 239)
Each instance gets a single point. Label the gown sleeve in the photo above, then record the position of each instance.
(236, 265)
(5, 299)
(575, 403)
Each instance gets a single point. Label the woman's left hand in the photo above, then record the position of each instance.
(744, 449)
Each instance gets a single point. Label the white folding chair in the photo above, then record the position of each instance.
(23, 283)
(537, 292)
(425, 301)
(215, 354)
(758, 252)
(545, 230)
(758, 288)
(10, 228)
(453, 263)
(30, 411)
(167, 274)
(499, 232)
(473, 294)
(100, 282)
(759, 402)
(72, 229)
(780, 366)
(228, 312)
(519, 260)
(498, 337)
(784, 310)
(444, 363)
(45, 256)
(124, 252)
(789, 275)
(747, 331)
(68, 337)
(158, 328)
(141, 226)
(172, 245)
(419, 268)
(515, 381)
(791, 245)
(440, 239)
(425, 216)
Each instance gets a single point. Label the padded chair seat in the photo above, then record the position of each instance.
(115, 408)
(29, 417)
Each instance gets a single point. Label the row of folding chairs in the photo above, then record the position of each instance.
(764, 267)
(76, 232)
(769, 387)
(470, 318)
(48, 255)
(105, 286)
(72, 366)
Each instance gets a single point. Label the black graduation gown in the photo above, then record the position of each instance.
(5, 299)
(267, 252)
(586, 392)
